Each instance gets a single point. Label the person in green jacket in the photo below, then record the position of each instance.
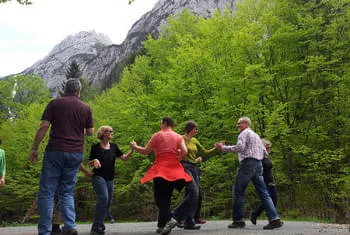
(2, 165)
(196, 153)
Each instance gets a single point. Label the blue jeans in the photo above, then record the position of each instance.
(104, 194)
(59, 172)
(273, 194)
(251, 170)
(187, 208)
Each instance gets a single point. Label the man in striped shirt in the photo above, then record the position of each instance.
(251, 152)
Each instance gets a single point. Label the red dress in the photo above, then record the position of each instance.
(165, 145)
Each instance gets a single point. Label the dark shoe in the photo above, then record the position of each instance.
(193, 227)
(252, 218)
(180, 224)
(200, 221)
(97, 231)
(70, 232)
(169, 226)
(237, 224)
(55, 229)
(273, 224)
(159, 229)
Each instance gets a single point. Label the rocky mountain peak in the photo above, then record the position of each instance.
(99, 59)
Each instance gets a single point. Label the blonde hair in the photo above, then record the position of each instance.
(101, 131)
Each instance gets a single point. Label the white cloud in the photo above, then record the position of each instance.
(28, 33)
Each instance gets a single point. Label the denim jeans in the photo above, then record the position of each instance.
(197, 214)
(104, 194)
(59, 172)
(251, 170)
(273, 195)
(187, 208)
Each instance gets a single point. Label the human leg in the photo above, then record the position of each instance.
(270, 209)
(199, 202)
(50, 174)
(110, 186)
(273, 193)
(261, 189)
(259, 209)
(186, 209)
(68, 180)
(56, 229)
(163, 190)
(243, 176)
(101, 189)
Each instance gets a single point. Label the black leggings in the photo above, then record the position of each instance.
(163, 191)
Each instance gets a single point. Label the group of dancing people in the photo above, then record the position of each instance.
(175, 167)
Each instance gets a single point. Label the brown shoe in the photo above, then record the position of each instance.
(273, 224)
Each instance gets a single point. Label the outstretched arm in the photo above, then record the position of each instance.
(125, 157)
(143, 150)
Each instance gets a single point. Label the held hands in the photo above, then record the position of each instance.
(88, 173)
(219, 145)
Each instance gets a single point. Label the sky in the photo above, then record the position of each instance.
(28, 33)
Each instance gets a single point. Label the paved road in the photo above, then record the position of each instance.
(212, 227)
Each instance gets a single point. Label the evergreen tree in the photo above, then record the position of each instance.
(73, 71)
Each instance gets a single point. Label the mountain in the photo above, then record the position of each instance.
(101, 61)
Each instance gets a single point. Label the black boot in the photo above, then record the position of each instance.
(55, 229)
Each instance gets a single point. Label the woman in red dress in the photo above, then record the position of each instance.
(167, 172)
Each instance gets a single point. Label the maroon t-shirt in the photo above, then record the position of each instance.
(68, 116)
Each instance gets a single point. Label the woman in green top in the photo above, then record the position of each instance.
(190, 162)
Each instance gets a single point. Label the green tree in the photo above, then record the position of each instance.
(73, 71)
(20, 91)
(23, 2)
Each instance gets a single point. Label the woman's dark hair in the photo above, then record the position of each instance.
(168, 121)
(190, 125)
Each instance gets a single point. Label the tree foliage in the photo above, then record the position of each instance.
(23, 2)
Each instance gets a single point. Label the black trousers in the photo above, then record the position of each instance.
(163, 191)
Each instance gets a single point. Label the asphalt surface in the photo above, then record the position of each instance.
(211, 227)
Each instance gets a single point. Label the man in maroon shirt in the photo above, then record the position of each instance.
(70, 119)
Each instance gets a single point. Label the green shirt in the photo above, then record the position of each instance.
(195, 149)
(2, 163)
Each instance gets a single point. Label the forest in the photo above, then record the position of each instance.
(285, 64)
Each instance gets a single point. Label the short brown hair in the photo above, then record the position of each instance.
(190, 125)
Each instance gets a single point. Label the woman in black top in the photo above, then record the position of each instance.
(269, 181)
(102, 158)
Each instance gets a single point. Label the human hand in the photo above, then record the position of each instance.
(89, 173)
(219, 145)
(133, 145)
(96, 163)
(199, 159)
(33, 156)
